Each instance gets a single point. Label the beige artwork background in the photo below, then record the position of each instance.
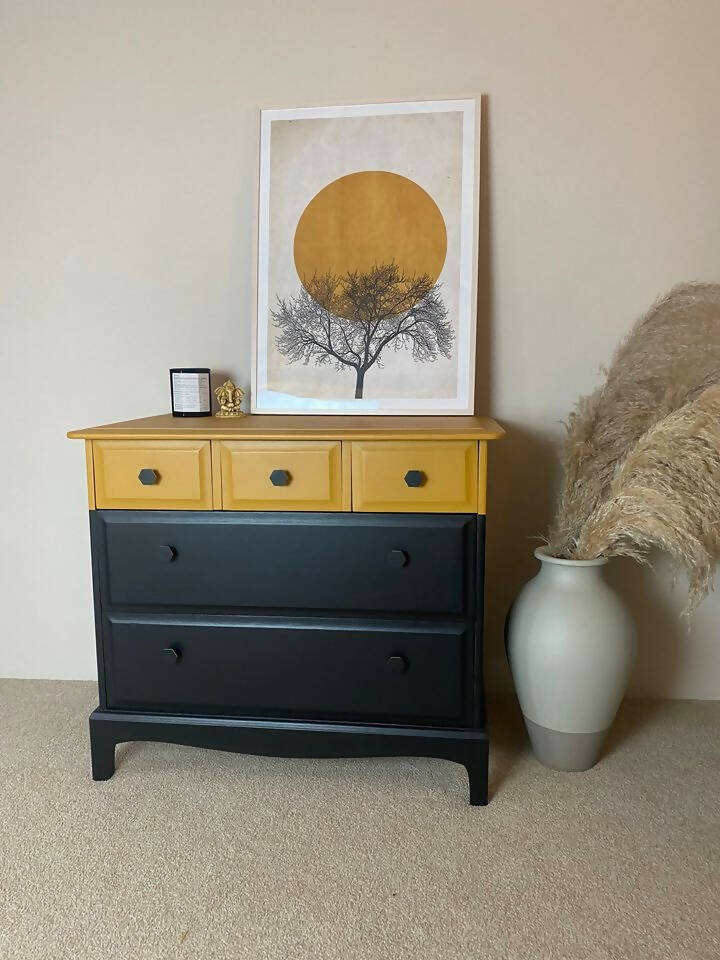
(306, 155)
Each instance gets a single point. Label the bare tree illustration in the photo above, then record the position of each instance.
(349, 320)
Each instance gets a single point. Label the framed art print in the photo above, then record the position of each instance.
(367, 259)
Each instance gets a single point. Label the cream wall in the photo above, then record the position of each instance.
(127, 158)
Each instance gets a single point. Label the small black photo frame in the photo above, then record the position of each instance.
(190, 391)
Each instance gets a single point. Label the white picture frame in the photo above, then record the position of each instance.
(347, 195)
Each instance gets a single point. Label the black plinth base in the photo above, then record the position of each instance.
(281, 738)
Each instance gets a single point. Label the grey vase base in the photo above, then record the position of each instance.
(571, 752)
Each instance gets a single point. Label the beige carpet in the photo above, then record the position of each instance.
(196, 854)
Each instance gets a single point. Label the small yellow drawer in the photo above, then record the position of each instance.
(415, 476)
(152, 474)
(284, 475)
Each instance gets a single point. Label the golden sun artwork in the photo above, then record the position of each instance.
(367, 219)
(367, 258)
(368, 249)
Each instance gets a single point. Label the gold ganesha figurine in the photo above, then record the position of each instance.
(230, 399)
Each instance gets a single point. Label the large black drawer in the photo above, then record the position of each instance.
(318, 561)
(314, 669)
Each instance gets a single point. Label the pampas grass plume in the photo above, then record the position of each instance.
(642, 453)
(669, 357)
(665, 494)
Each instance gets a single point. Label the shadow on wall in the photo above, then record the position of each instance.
(523, 470)
(661, 634)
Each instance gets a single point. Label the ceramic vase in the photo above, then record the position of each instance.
(571, 645)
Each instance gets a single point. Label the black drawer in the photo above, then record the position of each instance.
(246, 667)
(343, 562)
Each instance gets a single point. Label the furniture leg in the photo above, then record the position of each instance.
(477, 769)
(102, 751)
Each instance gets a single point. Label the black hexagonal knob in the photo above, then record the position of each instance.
(148, 477)
(280, 478)
(415, 478)
(396, 664)
(397, 558)
(166, 552)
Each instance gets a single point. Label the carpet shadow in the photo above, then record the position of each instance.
(508, 739)
(633, 717)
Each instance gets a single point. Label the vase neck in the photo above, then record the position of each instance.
(570, 572)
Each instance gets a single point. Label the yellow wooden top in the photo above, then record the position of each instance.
(268, 427)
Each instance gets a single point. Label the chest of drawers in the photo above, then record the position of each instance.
(291, 586)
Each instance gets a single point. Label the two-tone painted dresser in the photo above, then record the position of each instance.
(291, 586)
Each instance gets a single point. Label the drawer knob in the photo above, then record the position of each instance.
(396, 664)
(415, 478)
(148, 477)
(167, 552)
(280, 478)
(397, 558)
(173, 653)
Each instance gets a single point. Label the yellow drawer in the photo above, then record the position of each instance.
(152, 474)
(284, 475)
(415, 476)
